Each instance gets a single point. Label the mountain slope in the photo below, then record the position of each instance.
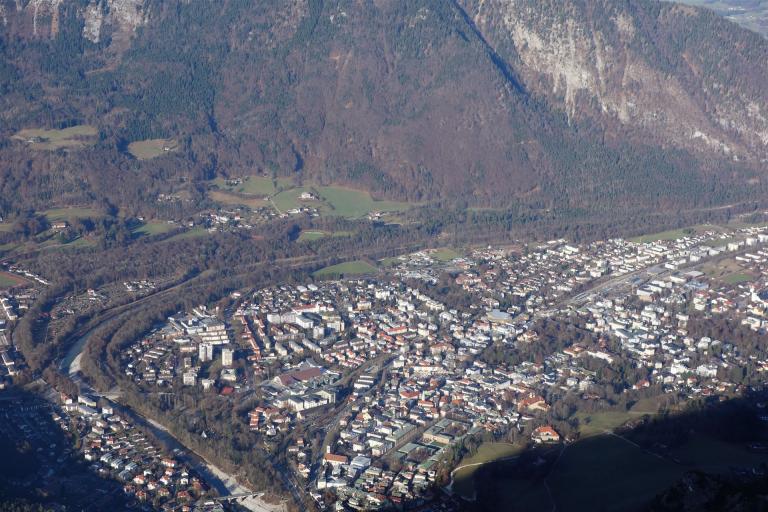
(679, 74)
(574, 103)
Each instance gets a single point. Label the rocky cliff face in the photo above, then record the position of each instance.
(42, 18)
(671, 71)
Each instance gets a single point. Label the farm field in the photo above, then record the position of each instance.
(154, 227)
(254, 185)
(331, 200)
(312, 235)
(55, 214)
(51, 140)
(152, 148)
(196, 232)
(346, 269)
(350, 203)
(289, 200)
(232, 199)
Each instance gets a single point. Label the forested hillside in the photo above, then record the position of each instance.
(581, 104)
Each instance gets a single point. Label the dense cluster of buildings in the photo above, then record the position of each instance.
(13, 304)
(115, 448)
(191, 349)
(401, 372)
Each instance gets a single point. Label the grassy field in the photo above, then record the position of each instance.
(289, 200)
(463, 479)
(154, 227)
(672, 234)
(332, 200)
(600, 422)
(350, 203)
(8, 280)
(647, 405)
(346, 269)
(445, 254)
(586, 475)
(196, 232)
(390, 262)
(739, 278)
(254, 185)
(232, 199)
(49, 140)
(310, 236)
(55, 214)
(728, 271)
(152, 148)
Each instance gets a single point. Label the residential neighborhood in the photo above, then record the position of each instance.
(398, 374)
(372, 387)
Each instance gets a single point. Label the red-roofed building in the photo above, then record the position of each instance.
(335, 460)
(545, 434)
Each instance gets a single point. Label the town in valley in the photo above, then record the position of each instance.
(372, 391)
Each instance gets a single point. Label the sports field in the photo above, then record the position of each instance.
(8, 280)
(349, 268)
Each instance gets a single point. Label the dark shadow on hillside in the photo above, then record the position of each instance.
(711, 458)
(39, 469)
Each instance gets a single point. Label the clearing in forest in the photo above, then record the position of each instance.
(73, 137)
(152, 148)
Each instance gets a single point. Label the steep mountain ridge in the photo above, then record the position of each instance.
(557, 104)
(644, 65)
(42, 18)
